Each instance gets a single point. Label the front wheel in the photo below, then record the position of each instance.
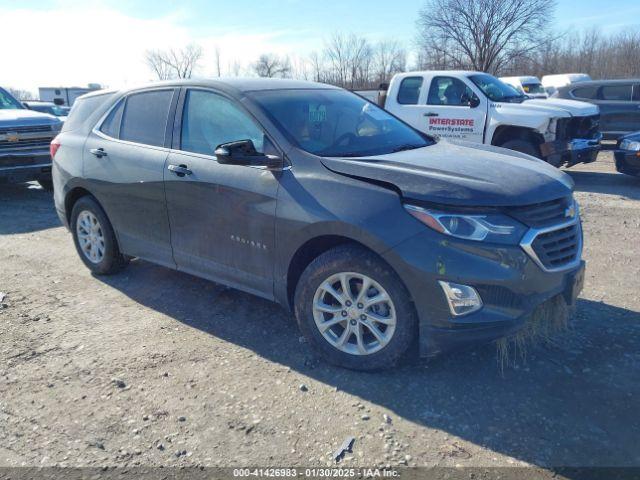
(354, 310)
(523, 146)
(95, 239)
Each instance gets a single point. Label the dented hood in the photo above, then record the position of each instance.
(460, 174)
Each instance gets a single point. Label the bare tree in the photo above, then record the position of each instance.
(174, 63)
(20, 94)
(482, 34)
(389, 58)
(349, 59)
(271, 66)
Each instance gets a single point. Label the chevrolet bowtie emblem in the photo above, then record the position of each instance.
(570, 212)
(12, 137)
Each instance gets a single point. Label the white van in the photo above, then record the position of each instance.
(530, 86)
(552, 83)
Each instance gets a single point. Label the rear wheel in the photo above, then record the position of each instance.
(95, 239)
(354, 310)
(523, 146)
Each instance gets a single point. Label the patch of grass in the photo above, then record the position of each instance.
(543, 326)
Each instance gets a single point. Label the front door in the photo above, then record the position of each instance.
(448, 112)
(124, 161)
(222, 217)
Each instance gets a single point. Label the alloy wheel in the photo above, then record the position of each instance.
(354, 313)
(90, 236)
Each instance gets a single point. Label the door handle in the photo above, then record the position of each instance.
(431, 114)
(98, 152)
(179, 170)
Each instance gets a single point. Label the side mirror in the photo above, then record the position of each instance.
(58, 101)
(243, 152)
(474, 102)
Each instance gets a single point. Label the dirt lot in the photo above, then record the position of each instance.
(154, 367)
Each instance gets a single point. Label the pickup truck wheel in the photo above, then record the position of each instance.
(354, 310)
(95, 239)
(46, 184)
(522, 146)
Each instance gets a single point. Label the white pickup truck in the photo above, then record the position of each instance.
(477, 107)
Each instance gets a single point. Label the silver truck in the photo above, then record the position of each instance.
(25, 138)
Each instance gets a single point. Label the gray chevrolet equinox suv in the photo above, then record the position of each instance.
(379, 238)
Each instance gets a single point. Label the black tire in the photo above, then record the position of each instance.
(355, 259)
(523, 146)
(46, 184)
(112, 261)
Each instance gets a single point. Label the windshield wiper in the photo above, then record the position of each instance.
(404, 148)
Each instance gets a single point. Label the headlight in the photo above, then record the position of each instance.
(631, 145)
(494, 228)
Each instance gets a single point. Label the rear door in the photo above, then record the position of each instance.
(619, 113)
(222, 216)
(445, 110)
(124, 160)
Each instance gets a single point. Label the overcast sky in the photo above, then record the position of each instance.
(72, 42)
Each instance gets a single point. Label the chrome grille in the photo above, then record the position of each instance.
(26, 129)
(558, 248)
(542, 214)
(24, 144)
(555, 248)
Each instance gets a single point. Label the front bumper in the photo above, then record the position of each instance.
(25, 166)
(628, 162)
(571, 152)
(511, 285)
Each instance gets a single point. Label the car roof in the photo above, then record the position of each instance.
(438, 72)
(238, 85)
(605, 82)
(40, 102)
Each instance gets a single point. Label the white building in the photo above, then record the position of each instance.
(65, 95)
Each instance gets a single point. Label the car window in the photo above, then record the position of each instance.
(616, 92)
(409, 92)
(111, 125)
(209, 120)
(496, 90)
(589, 93)
(449, 91)
(145, 117)
(82, 110)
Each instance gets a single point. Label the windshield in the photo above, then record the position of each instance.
(7, 101)
(496, 90)
(337, 123)
(533, 88)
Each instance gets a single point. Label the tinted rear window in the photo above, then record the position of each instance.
(82, 109)
(145, 117)
(616, 92)
(586, 92)
(111, 125)
(409, 92)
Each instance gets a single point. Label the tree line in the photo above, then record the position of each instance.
(502, 37)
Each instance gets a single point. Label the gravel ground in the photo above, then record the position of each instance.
(157, 368)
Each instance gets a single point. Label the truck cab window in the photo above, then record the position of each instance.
(409, 91)
(449, 91)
